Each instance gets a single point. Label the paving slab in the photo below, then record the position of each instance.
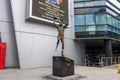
(81, 73)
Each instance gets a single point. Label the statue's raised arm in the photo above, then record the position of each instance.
(65, 24)
(55, 22)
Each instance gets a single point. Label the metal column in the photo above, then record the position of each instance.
(108, 48)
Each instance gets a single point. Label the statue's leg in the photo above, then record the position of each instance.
(62, 41)
(58, 40)
(62, 54)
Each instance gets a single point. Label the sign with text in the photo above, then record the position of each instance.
(46, 10)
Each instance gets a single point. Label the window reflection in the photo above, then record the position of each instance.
(101, 28)
(79, 20)
(100, 18)
(89, 18)
(90, 28)
(80, 28)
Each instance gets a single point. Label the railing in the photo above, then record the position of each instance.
(107, 61)
(103, 61)
(89, 63)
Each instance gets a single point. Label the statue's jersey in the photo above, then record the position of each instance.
(61, 32)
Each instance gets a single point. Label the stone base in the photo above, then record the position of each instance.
(62, 66)
(73, 77)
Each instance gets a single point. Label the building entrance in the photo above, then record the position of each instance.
(93, 54)
(102, 53)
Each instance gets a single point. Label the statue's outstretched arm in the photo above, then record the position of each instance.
(55, 22)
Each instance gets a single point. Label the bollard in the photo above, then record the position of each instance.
(118, 68)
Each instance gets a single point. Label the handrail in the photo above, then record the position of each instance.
(110, 60)
(103, 61)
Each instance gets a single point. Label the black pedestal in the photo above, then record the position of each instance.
(62, 66)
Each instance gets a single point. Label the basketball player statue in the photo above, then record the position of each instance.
(60, 28)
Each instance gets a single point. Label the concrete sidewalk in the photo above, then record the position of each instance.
(85, 73)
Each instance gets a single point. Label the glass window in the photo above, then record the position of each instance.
(112, 29)
(114, 21)
(119, 23)
(118, 31)
(100, 18)
(101, 28)
(109, 19)
(89, 3)
(89, 18)
(79, 20)
(79, 28)
(90, 28)
(89, 0)
(80, 4)
(78, 0)
(97, 3)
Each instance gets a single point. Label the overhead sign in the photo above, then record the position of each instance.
(46, 10)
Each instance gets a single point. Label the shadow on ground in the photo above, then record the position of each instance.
(73, 77)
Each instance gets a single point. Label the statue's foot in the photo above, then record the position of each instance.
(62, 55)
(56, 49)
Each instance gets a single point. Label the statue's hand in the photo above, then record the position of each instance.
(66, 23)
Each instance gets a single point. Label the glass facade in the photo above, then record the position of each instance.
(97, 16)
(87, 3)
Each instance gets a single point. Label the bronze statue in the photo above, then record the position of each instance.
(61, 28)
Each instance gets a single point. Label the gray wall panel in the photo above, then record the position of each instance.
(11, 51)
(25, 48)
(17, 13)
(7, 33)
(5, 11)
